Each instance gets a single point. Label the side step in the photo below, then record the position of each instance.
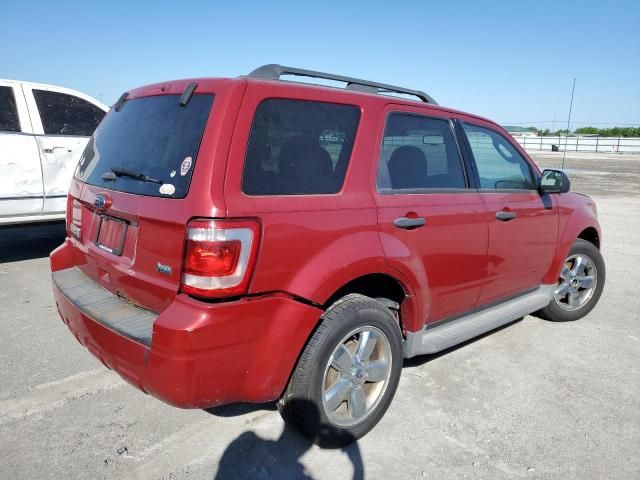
(438, 338)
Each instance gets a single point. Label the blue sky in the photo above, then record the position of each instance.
(511, 61)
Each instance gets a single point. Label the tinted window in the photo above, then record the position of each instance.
(153, 136)
(8, 112)
(298, 147)
(419, 153)
(63, 114)
(499, 164)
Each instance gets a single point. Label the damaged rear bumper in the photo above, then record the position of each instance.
(193, 354)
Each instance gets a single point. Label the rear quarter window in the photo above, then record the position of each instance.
(299, 147)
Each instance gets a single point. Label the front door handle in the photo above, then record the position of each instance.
(409, 223)
(505, 216)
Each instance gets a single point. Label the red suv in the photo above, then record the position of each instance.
(255, 239)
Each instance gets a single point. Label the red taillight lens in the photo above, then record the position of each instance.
(212, 259)
(219, 257)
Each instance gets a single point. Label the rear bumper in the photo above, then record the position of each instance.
(199, 354)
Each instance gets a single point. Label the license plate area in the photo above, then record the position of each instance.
(111, 234)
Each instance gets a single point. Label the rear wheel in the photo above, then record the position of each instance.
(579, 286)
(348, 373)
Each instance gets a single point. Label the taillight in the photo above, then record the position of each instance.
(74, 217)
(70, 201)
(219, 257)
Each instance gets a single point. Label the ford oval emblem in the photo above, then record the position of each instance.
(102, 200)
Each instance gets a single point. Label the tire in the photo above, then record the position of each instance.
(343, 364)
(576, 295)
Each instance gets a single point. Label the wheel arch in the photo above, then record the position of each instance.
(379, 285)
(588, 231)
(371, 283)
(591, 235)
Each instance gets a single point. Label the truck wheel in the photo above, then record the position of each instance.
(579, 286)
(347, 374)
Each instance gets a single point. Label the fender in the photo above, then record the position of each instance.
(576, 212)
(357, 251)
(361, 255)
(413, 272)
(358, 254)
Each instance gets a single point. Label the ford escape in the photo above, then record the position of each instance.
(256, 239)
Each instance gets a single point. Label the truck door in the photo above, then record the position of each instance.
(21, 190)
(65, 122)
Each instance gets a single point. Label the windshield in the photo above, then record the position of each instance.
(154, 137)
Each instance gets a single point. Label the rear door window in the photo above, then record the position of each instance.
(419, 153)
(153, 137)
(299, 147)
(64, 114)
(9, 121)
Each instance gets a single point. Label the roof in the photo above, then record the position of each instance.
(56, 88)
(268, 73)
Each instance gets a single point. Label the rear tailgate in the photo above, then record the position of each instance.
(129, 231)
(131, 249)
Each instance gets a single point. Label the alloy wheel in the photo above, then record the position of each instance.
(356, 376)
(577, 282)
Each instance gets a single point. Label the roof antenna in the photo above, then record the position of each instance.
(566, 138)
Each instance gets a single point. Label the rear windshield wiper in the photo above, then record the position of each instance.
(123, 172)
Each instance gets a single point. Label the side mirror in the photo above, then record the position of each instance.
(554, 181)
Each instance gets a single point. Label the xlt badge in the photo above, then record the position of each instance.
(163, 269)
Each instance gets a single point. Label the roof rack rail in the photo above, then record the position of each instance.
(274, 71)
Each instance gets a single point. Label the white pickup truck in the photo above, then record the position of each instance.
(43, 132)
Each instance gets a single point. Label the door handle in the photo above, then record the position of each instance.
(53, 149)
(505, 216)
(409, 223)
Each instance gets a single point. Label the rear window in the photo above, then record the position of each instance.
(64, 114)
(299, 147)
(8, 111)
(419, 153)
(151, 136)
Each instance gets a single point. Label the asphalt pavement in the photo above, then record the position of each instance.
(535, 399)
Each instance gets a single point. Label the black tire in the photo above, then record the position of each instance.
(556, 312)
(302, 406)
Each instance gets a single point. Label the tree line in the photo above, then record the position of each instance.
(603, 132)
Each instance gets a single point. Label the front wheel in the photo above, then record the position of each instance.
(347, 374)
(579, 286)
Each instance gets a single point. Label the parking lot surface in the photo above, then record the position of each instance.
(534, 399)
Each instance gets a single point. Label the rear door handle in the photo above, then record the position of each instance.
(53, 149)
(505, 216)
(409, 223)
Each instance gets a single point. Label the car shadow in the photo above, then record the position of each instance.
(250, 456)
(26, 242)
(237, 409)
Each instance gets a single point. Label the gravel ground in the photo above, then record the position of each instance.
(532, 400)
